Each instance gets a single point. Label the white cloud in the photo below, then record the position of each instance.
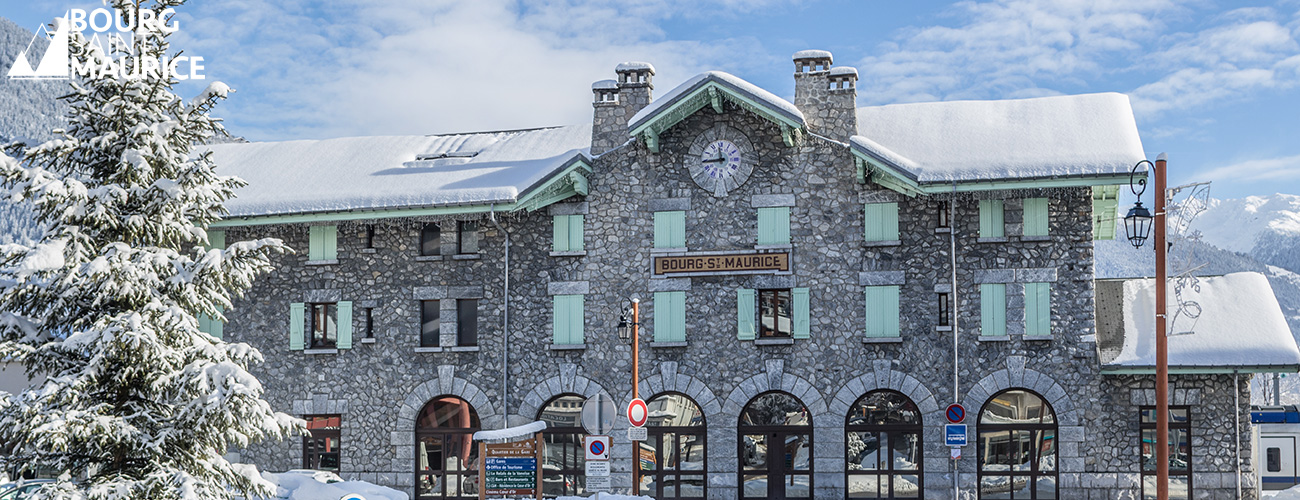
(1285, 168)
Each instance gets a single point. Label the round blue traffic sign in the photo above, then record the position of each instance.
(597, 447)
(956, 413)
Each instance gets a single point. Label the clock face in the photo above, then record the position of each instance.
(720, 160)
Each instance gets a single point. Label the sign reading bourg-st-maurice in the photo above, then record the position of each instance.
(721, 264)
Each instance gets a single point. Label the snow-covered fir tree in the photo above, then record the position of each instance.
(138, 402)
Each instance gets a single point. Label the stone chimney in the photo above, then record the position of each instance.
(615, 103)
(825, 95)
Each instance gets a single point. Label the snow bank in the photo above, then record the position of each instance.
(366, 173)
(1288, 494)
(1092, 134)
(725, 79)
(298, 486)
(1240, 324)
(511, 432)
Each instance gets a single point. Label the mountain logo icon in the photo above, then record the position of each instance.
(54, 64)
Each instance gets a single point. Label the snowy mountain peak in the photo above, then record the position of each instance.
(1244, 224)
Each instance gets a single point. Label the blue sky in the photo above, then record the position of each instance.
(1215, 84)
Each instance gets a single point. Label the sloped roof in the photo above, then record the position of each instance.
(387, 172)
(1059, 137)
(1241, 326)
(779, 108)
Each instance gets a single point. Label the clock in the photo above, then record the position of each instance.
(720, 160)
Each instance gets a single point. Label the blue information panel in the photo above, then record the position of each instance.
(954, 434)
(502, 464)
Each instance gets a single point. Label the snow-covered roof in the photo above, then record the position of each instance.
(844, 70)
(634, 66)
(725, 81)
(387, 172)
(1241, 325)
(971, 141)
(811, 54)
(604, 84)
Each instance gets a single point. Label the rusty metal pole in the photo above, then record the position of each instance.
(1162, 341)
(636, 392)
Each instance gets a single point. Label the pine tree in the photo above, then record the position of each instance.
(138, 403)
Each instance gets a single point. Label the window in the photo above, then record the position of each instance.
(670, 316)
(467, 322)
(882, 222)
(324, 326)
(370, 322)
(774, 313)
(775, 448)
(567, 235)
(1016, 447)
(1180, 452)
(1036, 210)
(567, 319)
(430, 323)
(563, 460)
(446, 455)
(883, 447)
(323, 243)
(944, 214)
(431, 239)
(369, 236)
(991, 223)
(670, 229)
(774, 226)
(882, 311)
(467, 237)
(1274, 459)
(673, 455)
(320, 450)
(945, 310)
(993, 310)
(1038, 309)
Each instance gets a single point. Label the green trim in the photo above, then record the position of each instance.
(571, 181)
(895, 180)
(710, 93)
(1200, 370)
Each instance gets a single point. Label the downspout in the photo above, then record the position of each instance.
(952, 306)
(1236, 413)
(505, 324)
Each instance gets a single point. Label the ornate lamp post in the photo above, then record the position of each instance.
(1137, 224)
(631, 330)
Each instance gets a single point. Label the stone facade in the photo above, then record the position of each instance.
(380, 384)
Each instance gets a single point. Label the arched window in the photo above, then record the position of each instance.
(883, 447)
(564, 463)
(446, 459)
(672, 458)
(775, 452)
(1017, 447)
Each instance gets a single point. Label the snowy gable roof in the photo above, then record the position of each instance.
(1241, 326)
(396, 172)
(937, 144)
(707, 89)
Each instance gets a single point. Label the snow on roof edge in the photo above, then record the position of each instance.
(724, 79)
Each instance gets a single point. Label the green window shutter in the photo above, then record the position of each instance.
(882, 311)
(577, 320)
(993, 309)
(881, 221)
(670, 229)
(331, 236)
(210, 325)
(1036, 216)
(745, 304)
(216, 239)
(991, 223)
(575, 233)
(670, 316)
(560, 319)
(560, 234)
(316, 243)
(345, 325)
(802, 324)
(1038, 309)
(297, 320)
(774, 226)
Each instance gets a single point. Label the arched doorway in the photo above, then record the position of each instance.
(1017, 447)
(775, 440)
(564, 463)
(672, 459)
(446, 460)
(882, 446)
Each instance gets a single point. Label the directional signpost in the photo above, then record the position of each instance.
(510, 469)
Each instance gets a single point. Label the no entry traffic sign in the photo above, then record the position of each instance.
(956, 413)
(637, 413)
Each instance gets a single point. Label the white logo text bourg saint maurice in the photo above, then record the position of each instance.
(115, 35)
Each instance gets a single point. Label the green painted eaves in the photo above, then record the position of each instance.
(709, 92)
(1200, 370)
(885, 173)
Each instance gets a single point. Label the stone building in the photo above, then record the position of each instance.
(816, 283)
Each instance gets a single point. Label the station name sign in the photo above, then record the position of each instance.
(722, 264)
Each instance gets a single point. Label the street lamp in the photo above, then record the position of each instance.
(631, 330)
(1137, 224)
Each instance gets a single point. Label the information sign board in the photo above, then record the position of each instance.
(510, 469)
(637, 433)
(597, 447)
(954, 434)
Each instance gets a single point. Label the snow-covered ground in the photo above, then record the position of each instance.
(296, 485)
